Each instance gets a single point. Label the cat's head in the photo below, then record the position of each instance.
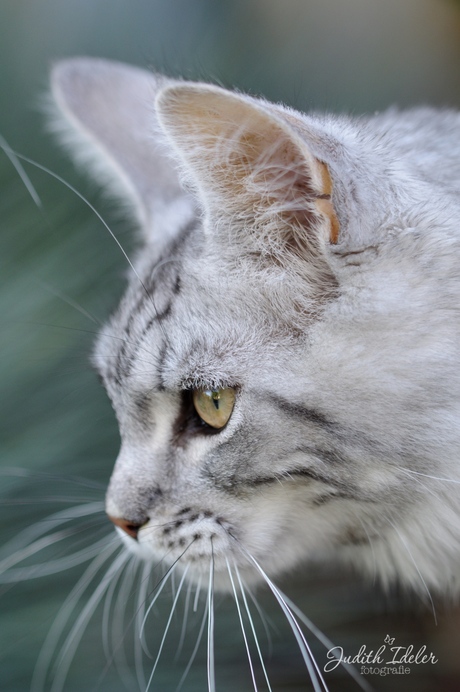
(263, 362)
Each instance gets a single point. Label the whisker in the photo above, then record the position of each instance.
(197, 593)
(94, 333)
(327, 643)
(292, 608)
(210, 660)
(243, 630)
(47, 476)
(196, 647)
(307, 655)
(251, 622)
(426, 487)
(173, 585)
(371, 546)
(21, 172)
(160, 585)
(167, 626)
(263, 617)
(427, 475)
(140, 612)
(51, 566)
(73, 639)
(53, 499)
(10, 152)
(53, 520)
(118, 631)
(416, 567)
(135, 617)
(70, 301)
(106, 615)
(184, 622)
(54, 634)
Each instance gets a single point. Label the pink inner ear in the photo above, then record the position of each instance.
(251, 166)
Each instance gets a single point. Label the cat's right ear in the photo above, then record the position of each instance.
(110, 126)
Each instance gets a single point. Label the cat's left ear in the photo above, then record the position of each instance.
(105, 116)
(252, 167)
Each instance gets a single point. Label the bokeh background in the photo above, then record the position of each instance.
(61, 273)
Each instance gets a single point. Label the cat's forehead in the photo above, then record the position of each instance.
(186, 321)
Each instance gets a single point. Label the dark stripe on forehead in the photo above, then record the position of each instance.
(145, 295)
(161, 366)
(127, 356)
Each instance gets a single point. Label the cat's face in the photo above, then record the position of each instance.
(277, 294)
(274, 470)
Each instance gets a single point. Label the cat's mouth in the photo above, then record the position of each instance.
(191, 536)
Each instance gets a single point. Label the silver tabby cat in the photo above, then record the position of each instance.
(284, 366)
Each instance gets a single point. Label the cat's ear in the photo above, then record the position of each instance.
(110, 125)
(252, 166)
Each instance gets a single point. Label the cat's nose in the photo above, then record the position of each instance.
(129, 527)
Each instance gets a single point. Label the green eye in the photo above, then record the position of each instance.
(214, 406)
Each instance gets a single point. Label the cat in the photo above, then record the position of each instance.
(284, 363)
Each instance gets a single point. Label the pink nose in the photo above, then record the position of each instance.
(128, 527)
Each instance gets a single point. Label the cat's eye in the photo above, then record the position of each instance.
(214, 406)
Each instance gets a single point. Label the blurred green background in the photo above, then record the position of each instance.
(58, 438)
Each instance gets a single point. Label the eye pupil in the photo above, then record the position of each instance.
(215, 406)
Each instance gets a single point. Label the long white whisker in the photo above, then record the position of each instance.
(160, 585)
(53, 520)
(243, 630)
(52, 566)
(416, 567)
(251, 622)
(43, 500)
(160, 588)
(167, 626)
(307, 655)
(328, 644)
(415, 477)
(74, 637)
(19, 472)
(197, 593)
(184, 621)
(266, 621)
(21, 172)
(118, 632)
(96, 333)
(55, 632)
(106, 614)
(9, 151)
(210, 666)
(195, 649)
(35, 547)
(371, 546)
(427, 475)
(173, 585)
(141, 600)
(70, 301)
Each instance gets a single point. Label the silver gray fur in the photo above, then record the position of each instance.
(345, 438)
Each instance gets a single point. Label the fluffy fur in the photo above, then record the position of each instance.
(310, 262)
